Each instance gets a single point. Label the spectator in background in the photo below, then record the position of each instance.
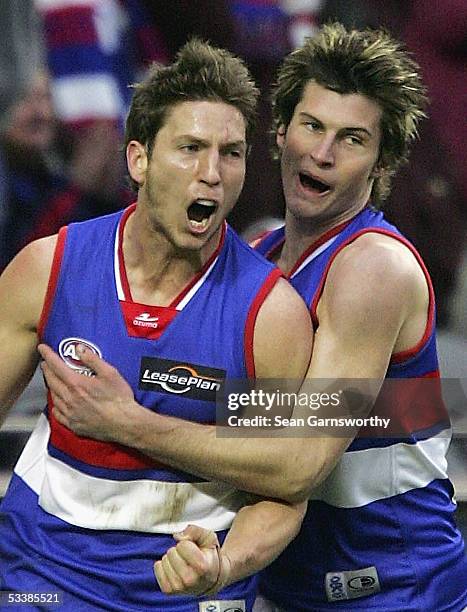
(430, 201)
(20, 56)
(95, 50)
(47, 184)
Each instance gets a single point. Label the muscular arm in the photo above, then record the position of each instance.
(374, 303)
(258, 535)
(22, 289)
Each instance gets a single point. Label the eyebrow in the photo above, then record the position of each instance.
(202, 141)
(349, 129)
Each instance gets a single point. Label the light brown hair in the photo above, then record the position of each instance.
(367, 62)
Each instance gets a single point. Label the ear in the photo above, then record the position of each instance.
(280, 135)
(137, 161)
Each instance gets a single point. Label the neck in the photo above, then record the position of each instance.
(300, 234)
(156, 269)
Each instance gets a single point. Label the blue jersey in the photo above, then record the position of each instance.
(89, 518)
(379, 532)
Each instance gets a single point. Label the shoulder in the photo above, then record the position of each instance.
(283, 335)
(24, 282)
(284, 303)
(376, 268)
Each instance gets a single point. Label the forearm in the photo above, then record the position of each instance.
(258, 535)
(271, 467)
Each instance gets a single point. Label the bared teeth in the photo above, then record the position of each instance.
(200, 210)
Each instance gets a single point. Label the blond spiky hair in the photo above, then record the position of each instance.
(367, 62)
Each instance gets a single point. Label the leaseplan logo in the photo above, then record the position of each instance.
(185, 379)
(67, 351)
(145, 320)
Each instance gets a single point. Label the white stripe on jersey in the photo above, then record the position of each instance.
(135, 505)
(365, 476)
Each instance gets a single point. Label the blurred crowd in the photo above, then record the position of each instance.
(65, 70)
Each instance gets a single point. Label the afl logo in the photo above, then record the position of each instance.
(67, 351)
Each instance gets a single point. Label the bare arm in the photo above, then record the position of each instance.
(375, 302)
(22, 289)
(259, 533)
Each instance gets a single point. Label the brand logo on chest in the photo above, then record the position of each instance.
(180, 378)
(147, 321)
(67, 351)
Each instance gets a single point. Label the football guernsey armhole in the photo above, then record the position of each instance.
(402, 355)
(262, 294)
(53, 281)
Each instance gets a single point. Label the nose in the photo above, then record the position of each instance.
(209, 171)
(323, 150)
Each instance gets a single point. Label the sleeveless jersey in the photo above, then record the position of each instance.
(379, 532)
(89, 518)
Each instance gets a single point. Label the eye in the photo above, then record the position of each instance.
(313, 126)
(353, 140)
(190, 148)
(234, 153)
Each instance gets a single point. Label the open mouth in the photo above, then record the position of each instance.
(313, 184)
(199, 213)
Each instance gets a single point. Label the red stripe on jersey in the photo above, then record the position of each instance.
(53, 280)
(262, 294)
(257, 239)
(143, 321)
(189, 286)
(203, 270)
(96, 452)
(411, 405)
(404, 355)
(121, 257)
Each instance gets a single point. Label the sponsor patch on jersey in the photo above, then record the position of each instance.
(352, 584)
(67, 351)
(222, 605)
(181, 378)
(147, 321)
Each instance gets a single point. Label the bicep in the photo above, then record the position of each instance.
(361, 312)
(18, 359)
(283, 336)
(22, 290)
